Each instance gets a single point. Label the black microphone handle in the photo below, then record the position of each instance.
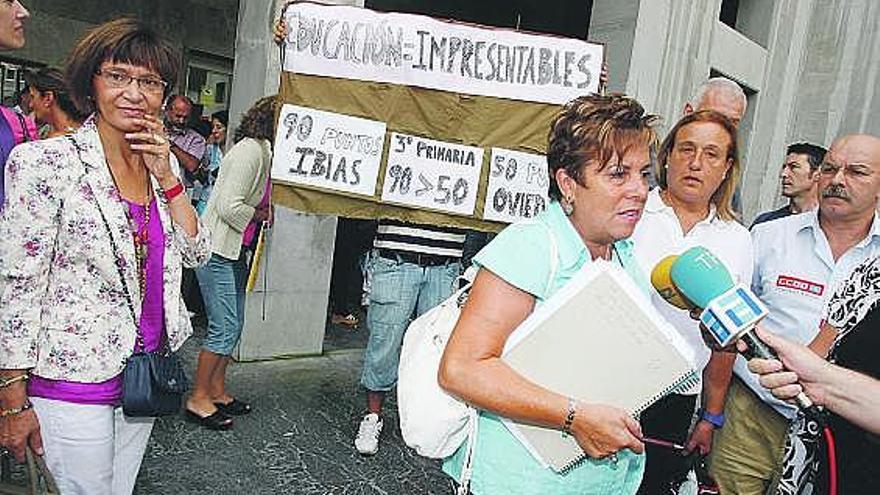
(757, 348)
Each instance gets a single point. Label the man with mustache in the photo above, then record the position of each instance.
(800, 181)
(799, 262)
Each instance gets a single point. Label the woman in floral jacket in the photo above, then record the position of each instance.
(93, 236)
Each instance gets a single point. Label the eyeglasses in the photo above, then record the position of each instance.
(119, 79)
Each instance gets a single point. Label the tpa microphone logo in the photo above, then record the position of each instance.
(731, 314)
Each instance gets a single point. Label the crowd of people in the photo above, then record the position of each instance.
(123, 215)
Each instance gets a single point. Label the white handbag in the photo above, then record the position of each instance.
(431, 421)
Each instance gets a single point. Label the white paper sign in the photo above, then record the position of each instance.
(328, 150)
(415, 50)
(517, 186)
(424, 173)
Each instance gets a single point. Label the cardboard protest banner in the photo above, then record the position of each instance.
(412, 50)
(327, 150)
(424, 173)
(449, 87)
(518, 185)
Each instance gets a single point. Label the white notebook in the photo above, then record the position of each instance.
(599, 340)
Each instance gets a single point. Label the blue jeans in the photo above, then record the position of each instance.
(223, 283)
(399, 291)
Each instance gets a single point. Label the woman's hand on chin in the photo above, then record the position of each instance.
(155, 147)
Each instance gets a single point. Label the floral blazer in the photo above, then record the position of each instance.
(63, 310)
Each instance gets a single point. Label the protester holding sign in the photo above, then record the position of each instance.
(234, 203)
(412, 269)
(599, 161)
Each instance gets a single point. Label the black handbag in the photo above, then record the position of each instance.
(153, 383)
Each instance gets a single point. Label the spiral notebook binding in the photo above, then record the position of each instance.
(686, 381)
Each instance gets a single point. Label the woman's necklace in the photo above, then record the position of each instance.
(140, 234)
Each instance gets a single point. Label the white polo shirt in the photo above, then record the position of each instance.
(795, 276)
(659, 234)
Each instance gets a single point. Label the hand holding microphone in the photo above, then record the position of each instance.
(730, 310)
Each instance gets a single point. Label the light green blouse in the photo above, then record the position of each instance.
(521, 256)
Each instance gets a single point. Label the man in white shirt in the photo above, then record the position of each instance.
(799, 262)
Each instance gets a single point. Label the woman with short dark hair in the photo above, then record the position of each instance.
(599, 160)
(238, 203)
(93, 239)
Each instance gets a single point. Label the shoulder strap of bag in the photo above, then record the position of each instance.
(25, 133)
(117, 257)
(554, 258)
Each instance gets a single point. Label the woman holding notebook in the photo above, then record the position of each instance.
(599, 159)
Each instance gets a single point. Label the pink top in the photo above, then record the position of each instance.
(251, 229)
(152, 324)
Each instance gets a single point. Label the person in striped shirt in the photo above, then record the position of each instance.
(412, 268)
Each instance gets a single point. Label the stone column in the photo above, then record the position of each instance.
(286, 313)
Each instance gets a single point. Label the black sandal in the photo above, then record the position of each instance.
(234, 408)
(216, 421)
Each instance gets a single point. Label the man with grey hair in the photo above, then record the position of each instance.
(721, 95)
(727, 98)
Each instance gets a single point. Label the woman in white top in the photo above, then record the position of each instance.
(235, 202)
(697, 171)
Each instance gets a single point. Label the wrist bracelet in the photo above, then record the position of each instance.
(16, 410)
(716, 420)
(569, 418)
(5, 382)
(173, 192)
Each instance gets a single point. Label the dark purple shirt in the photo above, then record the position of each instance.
(152, 324)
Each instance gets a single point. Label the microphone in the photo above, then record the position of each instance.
(730, 310)
(661, 279)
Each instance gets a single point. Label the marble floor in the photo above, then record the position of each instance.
(298, 440)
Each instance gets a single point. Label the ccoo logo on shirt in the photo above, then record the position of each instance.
(800, 285)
